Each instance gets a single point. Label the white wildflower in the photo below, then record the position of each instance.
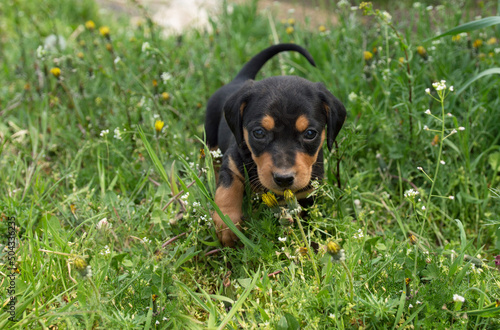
(165, 76)
(411, 193)
(117, 135)
(458, 298)
(145, 47)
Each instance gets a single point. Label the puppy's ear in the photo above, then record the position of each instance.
(335, 114)
(234, 108)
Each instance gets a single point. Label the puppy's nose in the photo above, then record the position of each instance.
(283, 180)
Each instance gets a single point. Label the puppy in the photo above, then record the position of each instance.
(272, 130)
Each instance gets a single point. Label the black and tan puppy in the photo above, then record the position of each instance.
(274, 130)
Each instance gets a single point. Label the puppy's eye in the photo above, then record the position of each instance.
(310, 134)
(259, 133)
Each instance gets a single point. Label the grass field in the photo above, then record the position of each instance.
(106, 187)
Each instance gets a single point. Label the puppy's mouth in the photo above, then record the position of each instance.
(279, 181)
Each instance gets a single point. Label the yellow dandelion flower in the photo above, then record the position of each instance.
(104, 30)
(73, 208)
(159, 125)
(79, 55)
(335, 251)
(322, 28)
(367, 55)
(422, 52)
(456, 38)
(289, 30)
(413, 238)
(291, 21)
(90, 25)
(165, 96)
(155, 83)
(401, 60)
(302, 250)
(202, 153)
(56, 72)
(79, 262)
(269, 199)
(477, 43)
(492, 41)
(288, 195)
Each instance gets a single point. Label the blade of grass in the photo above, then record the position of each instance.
(470, 26)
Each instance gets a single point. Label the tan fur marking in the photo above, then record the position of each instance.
(245, 137)
(302, 123)
(242, 107)
(265, 169)
(229, 200)
(268, 122)
(234, 168)
(303, 165)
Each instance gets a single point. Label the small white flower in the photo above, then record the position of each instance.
(117, 59)
(442, 162)
(451, 88)
(157, 322)
(420, 168)
(410, 306)
(449, 114)
(458, 298)
(428, 90)
(165, 76)
(387, 17)
(423, 208)
(426, 128)
(216, 153)
(428, 112)
(352, 97)
(497, 50)
(461, 128)
(419, 302)
(429, 8)
(146, 240)
(417, 5)
(145, 47)
(411, 193)
(453, 131)
(451, 197)
(104, 132)
(41, 52)
(117, 135)
(282, 239)
(103, 225)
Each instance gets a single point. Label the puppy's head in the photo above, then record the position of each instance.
(284, 122)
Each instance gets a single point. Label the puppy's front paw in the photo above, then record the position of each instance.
(226, 235)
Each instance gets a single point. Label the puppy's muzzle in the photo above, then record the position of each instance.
(284, 180)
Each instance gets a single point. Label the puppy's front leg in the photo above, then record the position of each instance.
(229, 199)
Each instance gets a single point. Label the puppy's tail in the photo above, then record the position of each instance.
(250, 70)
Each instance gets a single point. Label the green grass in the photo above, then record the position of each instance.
(155, 261)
